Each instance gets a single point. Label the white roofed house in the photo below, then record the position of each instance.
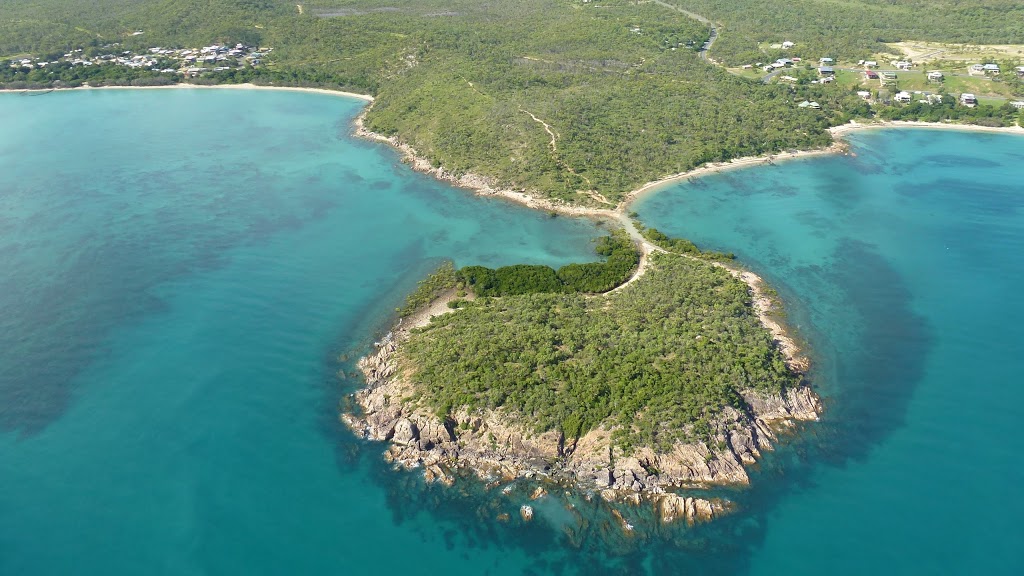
(968, 99)
(935, 76)
(991, 69)
(1018, 105)
(825, 61)
(902, 96)
(1020, 71)
(787, 45)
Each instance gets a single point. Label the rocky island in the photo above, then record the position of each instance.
(675, 379)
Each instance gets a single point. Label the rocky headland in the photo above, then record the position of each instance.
(495, 447)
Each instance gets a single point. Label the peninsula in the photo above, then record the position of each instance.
(669, 375)
(658, 368)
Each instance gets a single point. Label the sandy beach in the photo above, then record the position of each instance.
(186, 86)
(853, 126)
(715, 167)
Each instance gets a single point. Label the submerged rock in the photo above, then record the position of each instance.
(526, 512)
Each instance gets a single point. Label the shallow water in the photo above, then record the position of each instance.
(902, 267)
(183, 269)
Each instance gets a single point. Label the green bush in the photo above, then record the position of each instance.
(593, 277)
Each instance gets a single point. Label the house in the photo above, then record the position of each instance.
(888, 76)
(976, 69)
(935, 75)
(991, 69)
(902, 97)
(788, 79)
(747, 66)
(815, 105)
(784, 62)
(864, 94)
(828, 79)
(826, 71)
(870, 75)
(904, 65)
(968, 100)
(787, 45)
(1020, 71)
(870, 64)
(796, 59)
(824, 61)
(1019, 105)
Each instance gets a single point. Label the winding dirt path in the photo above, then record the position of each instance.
(547, 128)
(554, 153)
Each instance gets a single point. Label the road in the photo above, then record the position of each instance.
(714, 27)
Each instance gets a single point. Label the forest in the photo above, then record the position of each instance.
(654, 362)
(475, 87)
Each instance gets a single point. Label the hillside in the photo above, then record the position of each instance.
(572, 100)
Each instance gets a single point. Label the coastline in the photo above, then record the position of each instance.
(854, 126)
(187, 86)
(837, 147)
(495, 448)
(479, 185)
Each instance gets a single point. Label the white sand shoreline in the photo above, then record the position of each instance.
(187, 86)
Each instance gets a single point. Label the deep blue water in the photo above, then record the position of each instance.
(185, 273)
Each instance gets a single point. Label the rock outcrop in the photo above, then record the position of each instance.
(494, 446)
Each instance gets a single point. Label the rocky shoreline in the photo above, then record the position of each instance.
(494, 448)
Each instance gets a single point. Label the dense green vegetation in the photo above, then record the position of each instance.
(470, 85)
(656, 361)
(427, 290)
(620, 84)
(852, 29)
(621, 259)
(681, 245)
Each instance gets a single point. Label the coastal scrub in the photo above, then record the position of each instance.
(655, 363)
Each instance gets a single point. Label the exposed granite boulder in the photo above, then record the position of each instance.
(493, 445)
(673, 507)
(496, 448)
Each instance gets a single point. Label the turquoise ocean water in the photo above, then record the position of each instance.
(185, 273)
